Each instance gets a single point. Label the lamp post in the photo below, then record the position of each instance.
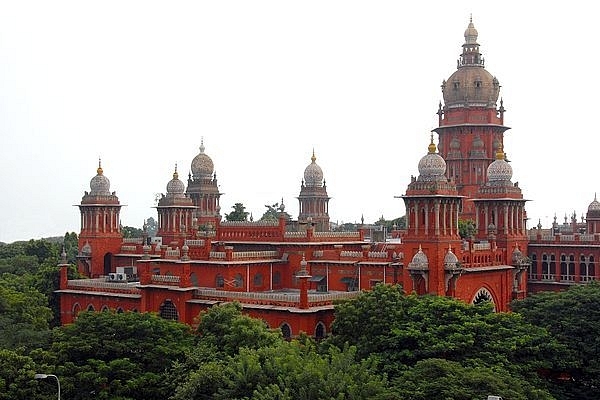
(44, 376)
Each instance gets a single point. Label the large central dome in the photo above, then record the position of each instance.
(313, 174)
(471, 84)
(202, 165)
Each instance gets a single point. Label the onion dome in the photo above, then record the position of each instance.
(175, 187)
(419, 260)
(313, 174)
(450, 258)
(432, 166)
(594, 205)
(471, 84)
(499, 170)
(202, 164)
(100, 185)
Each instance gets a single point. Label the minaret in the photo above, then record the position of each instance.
(592, 217)
(100, 235)
(203, 189)
(313, 199)
(471, 126)
(175, 212)
(500, 208)
(432, 208)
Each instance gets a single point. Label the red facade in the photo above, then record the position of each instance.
(289, 273)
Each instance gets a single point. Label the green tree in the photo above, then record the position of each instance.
(274, 212)
(119, 355)
(16, 377)
(131, 232)
(151, 226)
(401, 330)
(573, 319)
(239, 213)
(466, 228)
(442, 379)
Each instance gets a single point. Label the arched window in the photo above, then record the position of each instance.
(76, 310)
(169, 311)
(104, 309)
(91, 308)
(286, 331)
(119, 310)
(258, 280)
(194, 279)
(320, 330)
(533, 269)
(277, 278)
(239, 280)
(482, 296)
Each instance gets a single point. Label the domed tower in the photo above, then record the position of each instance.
(592, 217)
(471, 126)
(500, 208)
(313, 198)
(175, 212)
(203, 189)
(100, 235)
(432, 207)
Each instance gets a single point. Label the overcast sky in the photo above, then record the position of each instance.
(140, 83)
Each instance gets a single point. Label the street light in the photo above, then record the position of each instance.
(44, 376)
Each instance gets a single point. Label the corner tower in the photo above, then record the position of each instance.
(313, 199)
(471, 125)
(203, 189)
(175, 211)
(100, 235)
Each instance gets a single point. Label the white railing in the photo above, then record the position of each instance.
(170, 253)
(126, 247)
(567, 238)
(217, 254)
(348, 253)
(378, 254)
(194, 242)
(133, 240)
(337, 234)
(481, 246)
(292, 297)
(586, 238)
(318, 253)
(165, 278)
(254, 254)
(249, 223)
(294, 234)
(101, 283)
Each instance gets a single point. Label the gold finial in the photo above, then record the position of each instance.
(313, 158)
(99, 170)
(175, 174)
(431, 146)
(500, 153)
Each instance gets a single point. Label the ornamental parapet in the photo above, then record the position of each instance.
(134, 240)
(195, 242)
(127, 247)
(217, 254)
(172, 254)
(378, 254)
(254, 254)
(286, 299)
(291, 235)
(101, 285)
(249, 224)
(166, 279)
(351, 254)
(350, 235)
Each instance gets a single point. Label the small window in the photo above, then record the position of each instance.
(286, 331)
(258, 280)
(168, 311)
(219, 281)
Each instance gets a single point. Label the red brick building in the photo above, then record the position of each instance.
(289, 273)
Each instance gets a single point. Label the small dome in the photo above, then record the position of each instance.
(432, 166)
(517, 256)
(450, 259)
(594, 205)
(499, 170)
(313, 174)
(100, 185)
(175, 186)
(86, 250)
(419, 260)
(455, 144)
(202, 164)
(471, 33)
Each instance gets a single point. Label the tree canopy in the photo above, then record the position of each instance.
(239, 213)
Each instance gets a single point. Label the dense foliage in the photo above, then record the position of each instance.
(384, 345)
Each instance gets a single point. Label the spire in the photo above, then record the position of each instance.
(470, 55)
(175, 174)
(432, 148)
(202, 144)
(99, 170)
(313, 158)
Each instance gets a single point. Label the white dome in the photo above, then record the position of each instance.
(419, 260)
(499, 170)
(175, 186)
(313, 174)
(450, 258)
(594, 205)
(202, 165)
(100, 185)
(432, 166)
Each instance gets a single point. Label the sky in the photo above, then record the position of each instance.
(140, 84)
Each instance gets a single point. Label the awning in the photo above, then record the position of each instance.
(316, 278)
(348, 279)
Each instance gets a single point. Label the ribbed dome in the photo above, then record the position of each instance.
(175, 187)
(419, 260)
(202, 165)
(450, 258)
(471, 84)
(100, 185)
(432, 166)
(499, 170)
(594, 205)
(313, 174)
